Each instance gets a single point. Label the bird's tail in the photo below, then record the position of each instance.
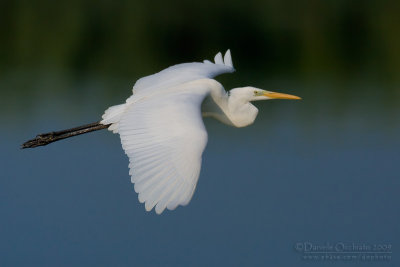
(47, 138)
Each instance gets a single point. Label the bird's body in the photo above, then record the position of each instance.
(162, 130)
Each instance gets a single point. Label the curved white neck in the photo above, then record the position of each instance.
(241, 112)
(230, 109)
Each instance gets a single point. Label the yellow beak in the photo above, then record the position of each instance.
(280, 96)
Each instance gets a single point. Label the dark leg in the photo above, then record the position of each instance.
(47, 138)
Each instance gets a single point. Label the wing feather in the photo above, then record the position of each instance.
(165, 79)
(164, 137)
(183, 73)
(218, 59)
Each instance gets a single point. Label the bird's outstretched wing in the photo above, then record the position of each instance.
(162, 131)
(165, 79)
(164, 138)
(182, 73)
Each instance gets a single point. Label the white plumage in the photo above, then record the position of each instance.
(162, 130)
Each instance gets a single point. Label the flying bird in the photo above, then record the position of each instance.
(162, 131)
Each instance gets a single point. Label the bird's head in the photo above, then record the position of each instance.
(248, 94)
(241, 111)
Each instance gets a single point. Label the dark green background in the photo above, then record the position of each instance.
(321, 170)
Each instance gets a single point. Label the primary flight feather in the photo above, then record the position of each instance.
(162, 131)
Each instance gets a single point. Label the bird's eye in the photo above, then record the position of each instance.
(255, 92)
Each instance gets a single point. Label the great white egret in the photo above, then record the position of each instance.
(162, 130)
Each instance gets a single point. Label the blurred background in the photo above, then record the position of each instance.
(323, 170)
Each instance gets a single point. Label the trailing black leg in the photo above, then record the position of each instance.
(47, 138)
